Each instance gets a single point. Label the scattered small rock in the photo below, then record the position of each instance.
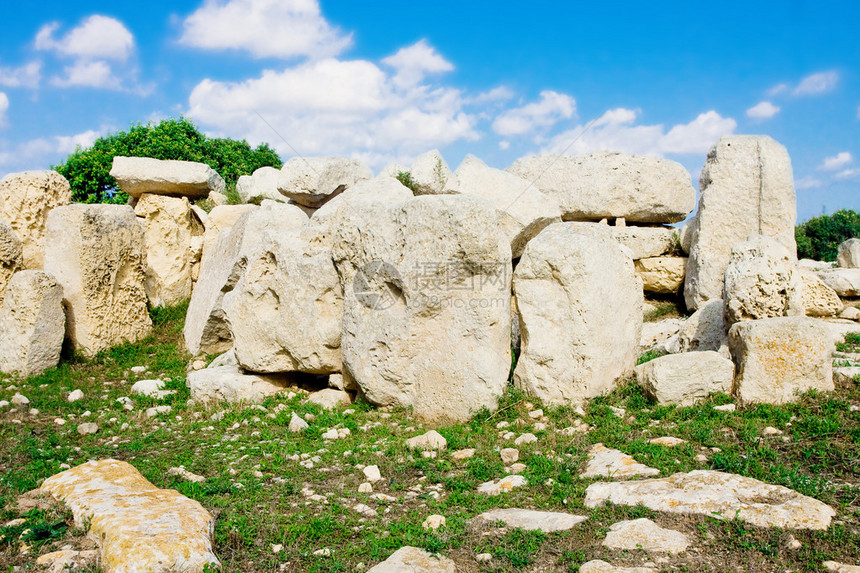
(503, 485)
(20, 400)
(726, 408)
(297, 424)
(668, 441)
(372, 474)
(527, 438)
(75, 395)
(463, 454)
(365, 488)
(432, 440)
(434, 522)
(88, 428)
(509, 455)
(186, 475)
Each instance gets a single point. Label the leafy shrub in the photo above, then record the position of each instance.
(819, 237)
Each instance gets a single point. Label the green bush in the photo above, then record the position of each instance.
(88, 170)
(819, 237)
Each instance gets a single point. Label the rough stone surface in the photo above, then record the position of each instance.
(845, 282)
(426, 283)
(11, 256)
(314, 180)
(646, 242)
(97, 253)
(431, 174)
(777, 358)
(837, 567)
(431, 440)
(32, 324)
(138, 527)
(169, 237)
(848, 256)
(220, 219)
(330, 398)
(607, 462)
(66, 560)
(639, 188)
(815, 297)
(600, 566)
(229, 384)
(262, 184)
(717, 494)
(705, 329)
(523, 210)
(26, 198)
(576, 341)
(383, 190)
(139, 175)
(686, 378)
(546, 521)
(503, 485)
(654, 333)
(285, 312)
(663, 275)
(206, 327)
(760, 281)
(645, 534)
(413, 560)
(746, 188)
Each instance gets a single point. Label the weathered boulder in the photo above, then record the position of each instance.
(662, 275)
(139, 175)
(608, 462)
(431, 440)
(776, 358)
(685, 378)
(230, 384)
(312, 181)
(206, 327)
(705, 329)
(329, 398)
(431, 174)
(426, 286)
(746, 188)
(11, 256)
(845, 282)
(26, 198)
(523, 210)
(815, 297)
(529, 519)
(169, 238)
(32, 324)
(646, 535)
(220, 219)
(848, 256)
(646, 242)
(717, 494)
(413, 560)
(576, 341)
(98, 254)
(262, 184)
(377, 190)
(137, 526)
(760, 281)
(638, 188)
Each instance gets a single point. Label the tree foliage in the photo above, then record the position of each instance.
(819, 237)
(88, 170)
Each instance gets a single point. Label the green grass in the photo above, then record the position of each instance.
(850, 344)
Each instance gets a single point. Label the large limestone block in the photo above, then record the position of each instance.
(760, 281)
(98, 255)
(26, 198)
(220, 219)
(777, 358)
(32, 324)
(662, 275)
(285, 312)
(413, 560)
(645, 242)
(746, 188)
(431, 174)
(170, 231)
(523, 210)
(377, 190)
(263, 184)
(137, 526)
(230, 384)
(845, 282)
(427, 318)
(11, 256)
(206, 327)
(312, 181)
(139, 175)
(706, 329)
(849, 254)
(717, 494)
(686, 378)
(576, 340)
(815, 297)
(638, 188)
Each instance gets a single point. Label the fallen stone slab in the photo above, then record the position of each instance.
(685, 378)
(647, 535)
(646, 242)
(229, 384)
(846, 282)
(138, 175)
(546, 521)
(598, 566)
(137, 526)
(608, 462)
(717, 494)
(413, 560)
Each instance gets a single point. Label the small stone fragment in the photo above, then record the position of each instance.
(88, 428)
(434, 522)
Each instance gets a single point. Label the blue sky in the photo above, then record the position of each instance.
(388, 80)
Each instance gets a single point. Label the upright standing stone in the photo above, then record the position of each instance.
(849, 254)
(747, 188)
(576, 340)
(139, 175)
(31, 324)
(11, 256)
(25, 200)
(97, 254)
(222, 218)
(426, 304)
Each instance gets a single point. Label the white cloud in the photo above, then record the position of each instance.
(848, 173)
(807, 183)
(95, 74)
(494, 95)
(778, 89)
(4, 107)
(546, 112)
(615, 131)
(835, 162)
(25, 76)
(97, 37)
(763, 110)
(265, 28)
(414, 62)
(816, 84)
(40, 153)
